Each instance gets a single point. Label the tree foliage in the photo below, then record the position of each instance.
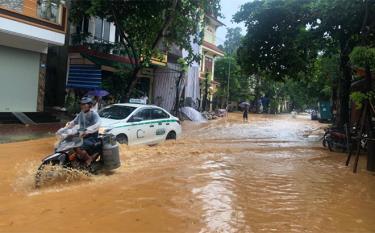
(276, 39)
(147, 28)
(363, 56)
(316, 85)
(228, 69)
(287, 38)
(239, 83)
(232, 40)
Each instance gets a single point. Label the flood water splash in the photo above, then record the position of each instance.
(221, 176)
(193, 114)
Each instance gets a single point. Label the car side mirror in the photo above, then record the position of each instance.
(135, 119)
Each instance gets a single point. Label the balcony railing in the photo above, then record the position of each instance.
(97, 44)
(106, 47)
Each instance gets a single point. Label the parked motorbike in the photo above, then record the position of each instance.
(336, 139)
(105, 153)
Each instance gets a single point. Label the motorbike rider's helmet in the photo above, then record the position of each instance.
(86, 100)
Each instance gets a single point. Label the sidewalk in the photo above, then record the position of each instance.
(19, 132)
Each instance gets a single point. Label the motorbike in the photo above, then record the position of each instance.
(336, 139)
(105, 154)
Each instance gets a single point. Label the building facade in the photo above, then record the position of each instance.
(94, 46)
(200, 84)
(169, 82)
(27, 29)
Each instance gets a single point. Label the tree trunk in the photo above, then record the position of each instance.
(177, 100)
(335, 98)
(125, 41)
(257, 93)
(131, 84)
(342, 117)
(368, 77)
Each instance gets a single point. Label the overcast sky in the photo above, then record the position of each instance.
(228, 9)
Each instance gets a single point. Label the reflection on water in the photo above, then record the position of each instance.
(222, 176)
(220, 212)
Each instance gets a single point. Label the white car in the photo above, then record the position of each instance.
(139, 124)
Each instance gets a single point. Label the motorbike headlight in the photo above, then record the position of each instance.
(103, 130)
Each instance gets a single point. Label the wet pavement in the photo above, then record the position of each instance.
(222, 176)
(21, 132)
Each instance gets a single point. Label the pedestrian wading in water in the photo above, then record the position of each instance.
(245, 114)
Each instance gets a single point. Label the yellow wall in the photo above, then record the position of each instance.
(210, 34)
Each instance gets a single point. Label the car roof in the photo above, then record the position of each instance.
(136, 105)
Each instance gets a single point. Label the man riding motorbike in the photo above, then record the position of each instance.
(87, 122)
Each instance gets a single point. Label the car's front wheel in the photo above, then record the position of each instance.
(171, 136)
(122, 139)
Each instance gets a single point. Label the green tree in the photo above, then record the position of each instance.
(232, 40)
(150, 28)
(277, 41)
(364, 59)
(343, 23)
(239, 83)
(277, 46)
(286, 37)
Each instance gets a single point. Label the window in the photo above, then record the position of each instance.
(102, 28)
(98, 28)
(142, 115)
(116, 112)
(208, 65)
(106, 27)
(49, 10)
(158, 114)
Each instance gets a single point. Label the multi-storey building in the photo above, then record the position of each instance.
(201, 83)
(27, 29)
(94, 59)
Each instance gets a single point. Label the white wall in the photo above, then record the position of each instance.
(28, 31)
(192, 79)
(23, 43)
(19, 71)
(192, 88)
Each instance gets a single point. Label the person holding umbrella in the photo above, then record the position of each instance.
(97, 95)
(96, 101)
(245, 106)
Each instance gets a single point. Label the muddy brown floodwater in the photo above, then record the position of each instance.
(222, 176)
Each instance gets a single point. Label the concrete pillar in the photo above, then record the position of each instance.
(41, 82)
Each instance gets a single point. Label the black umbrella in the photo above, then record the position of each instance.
(244, 104)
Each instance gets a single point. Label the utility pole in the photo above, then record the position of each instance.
(228, 83)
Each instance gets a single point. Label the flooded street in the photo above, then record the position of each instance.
(221, 176)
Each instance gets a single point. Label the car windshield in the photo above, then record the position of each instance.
(116, 112)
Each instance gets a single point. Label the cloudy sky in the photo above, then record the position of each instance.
(228, 9)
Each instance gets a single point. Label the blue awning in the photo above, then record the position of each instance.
(84, 77)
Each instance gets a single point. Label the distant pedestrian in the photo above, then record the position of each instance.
(245, 114)
(96, 104)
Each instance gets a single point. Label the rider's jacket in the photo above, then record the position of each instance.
(90, 121)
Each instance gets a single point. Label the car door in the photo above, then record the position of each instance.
(140, 130)
(160, 120)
